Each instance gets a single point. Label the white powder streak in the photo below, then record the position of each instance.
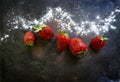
(64, 21)
(4, 37)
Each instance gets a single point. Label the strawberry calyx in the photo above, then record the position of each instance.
(63, 32)
(80, 54)
(38, 28)
(30, 43)
(103, 38)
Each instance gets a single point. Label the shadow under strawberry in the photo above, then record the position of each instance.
(41, 42)
(91, 50)
(70, 58)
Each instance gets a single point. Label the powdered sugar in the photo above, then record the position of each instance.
(4, 37)
(65, 22)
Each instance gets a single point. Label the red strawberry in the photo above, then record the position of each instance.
(77, 46)
(29, 38)
(62, 40)
(44, 31)
(98, 42)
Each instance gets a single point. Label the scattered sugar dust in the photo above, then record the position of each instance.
(65, 22)
(4, 37)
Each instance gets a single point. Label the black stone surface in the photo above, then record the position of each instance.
(42, 63)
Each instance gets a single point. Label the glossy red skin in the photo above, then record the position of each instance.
(96, 43)
(46, 33)
(62, 41)
(29, 37)
(76, 45)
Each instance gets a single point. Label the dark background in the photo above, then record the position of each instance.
(19, 63)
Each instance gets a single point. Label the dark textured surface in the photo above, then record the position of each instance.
(42, 62)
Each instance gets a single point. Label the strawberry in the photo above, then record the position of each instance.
(62, 40)
(44, 31)
(77, 47)
(98, 42)
(29, 38)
